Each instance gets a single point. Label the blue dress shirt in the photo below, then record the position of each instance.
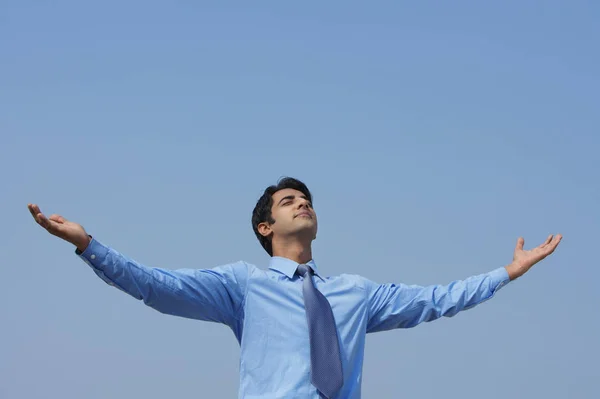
(265, 310)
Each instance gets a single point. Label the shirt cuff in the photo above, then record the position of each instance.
(95, 254)
(499, 278)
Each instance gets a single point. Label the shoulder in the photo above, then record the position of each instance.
(246, 270)
(239, 267)
(351, 280)
(238, 271)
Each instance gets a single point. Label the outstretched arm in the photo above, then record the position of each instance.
(206, 294)
(404, 306)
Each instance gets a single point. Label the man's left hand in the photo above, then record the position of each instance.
(523, 260)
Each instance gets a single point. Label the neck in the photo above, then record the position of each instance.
(294, 250)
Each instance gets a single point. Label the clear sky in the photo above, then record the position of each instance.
(432, 135)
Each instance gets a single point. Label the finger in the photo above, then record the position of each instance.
(520, 243)
(548, 240)
(35, 208)
(57, 218)
(43, 220)
(51, 226)
(553, 244)
(30, 209)
(35, 212)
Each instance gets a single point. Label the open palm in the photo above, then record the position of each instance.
(523, 259)
(61, 227)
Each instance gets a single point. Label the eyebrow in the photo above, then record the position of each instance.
(289, 197)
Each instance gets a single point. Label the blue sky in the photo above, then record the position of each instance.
(432, 136)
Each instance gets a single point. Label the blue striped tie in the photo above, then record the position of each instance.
(325, 360)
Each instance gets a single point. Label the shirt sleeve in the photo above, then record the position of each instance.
(213, 294)
(393, 306)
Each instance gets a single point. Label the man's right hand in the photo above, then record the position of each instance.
(61, 227)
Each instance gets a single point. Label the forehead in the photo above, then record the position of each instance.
(286, 192)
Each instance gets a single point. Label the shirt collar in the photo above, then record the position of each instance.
(288, 266)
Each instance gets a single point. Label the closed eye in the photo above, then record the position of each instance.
(290, 199)
(286, 200)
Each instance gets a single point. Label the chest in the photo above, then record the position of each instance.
(275, 307)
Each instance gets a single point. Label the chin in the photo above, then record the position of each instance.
(308, 230)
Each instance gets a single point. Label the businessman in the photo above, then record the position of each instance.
(301, 332)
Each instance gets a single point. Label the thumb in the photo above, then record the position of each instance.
(520, 243)
(57, 218)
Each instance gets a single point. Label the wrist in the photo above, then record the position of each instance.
(515, 270)
(83, 243)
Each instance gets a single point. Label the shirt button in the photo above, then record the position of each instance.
(93, 257)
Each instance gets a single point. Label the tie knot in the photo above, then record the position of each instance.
(304, 269)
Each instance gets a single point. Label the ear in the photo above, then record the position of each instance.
(264, 229)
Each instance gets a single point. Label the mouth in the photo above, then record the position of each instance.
(304, 214)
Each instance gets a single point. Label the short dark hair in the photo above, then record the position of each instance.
(262, 210)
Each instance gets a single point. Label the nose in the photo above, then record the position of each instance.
(303, 203)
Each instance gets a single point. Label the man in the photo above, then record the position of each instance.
(302, 334)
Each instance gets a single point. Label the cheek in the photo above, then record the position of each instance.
(279, 220)
(275, 215)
